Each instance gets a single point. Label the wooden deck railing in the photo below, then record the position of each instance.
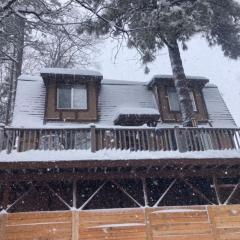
(133, 139)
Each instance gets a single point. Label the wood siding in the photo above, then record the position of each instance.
(182, 223)
(169, 116)
(54, 114)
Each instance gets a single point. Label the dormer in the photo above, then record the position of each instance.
(71, 95)
(167, 100)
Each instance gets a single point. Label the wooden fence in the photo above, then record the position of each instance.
(133, 139)
(182, 223)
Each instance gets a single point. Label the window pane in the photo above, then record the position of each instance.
(173, 100)
(80, 97)
(64, 97)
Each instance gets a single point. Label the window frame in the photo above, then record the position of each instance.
(72, 86)
(192, 97)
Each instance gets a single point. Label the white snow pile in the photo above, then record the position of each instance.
(136, 111)
(112, 154)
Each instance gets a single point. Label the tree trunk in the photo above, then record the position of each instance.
(181, 84)
(16, 68)
(10, 94)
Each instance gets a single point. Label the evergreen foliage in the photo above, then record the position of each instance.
(154, 24)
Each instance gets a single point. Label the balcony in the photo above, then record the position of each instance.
(122, 138)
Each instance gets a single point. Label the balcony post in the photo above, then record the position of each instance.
(180, 139)
(93, 138)
(1, 136)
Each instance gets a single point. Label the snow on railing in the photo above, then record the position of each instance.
(133, 139)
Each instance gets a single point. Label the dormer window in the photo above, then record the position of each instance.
(173, 101)
(168, 102)
(72, 97)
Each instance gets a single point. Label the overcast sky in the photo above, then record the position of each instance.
(200, 60)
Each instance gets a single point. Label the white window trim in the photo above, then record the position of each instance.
(72, 89)
(194, 105)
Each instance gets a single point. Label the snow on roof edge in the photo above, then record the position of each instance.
(187, 76)
(26, 77)
(122, 82)
(70, 71)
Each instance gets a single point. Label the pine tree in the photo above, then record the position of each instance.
(154, 24)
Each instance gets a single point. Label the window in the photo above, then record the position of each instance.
(72, 97)
(174, 102)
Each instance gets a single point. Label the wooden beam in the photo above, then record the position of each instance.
(118, 163)
(197, 191)
(232, 193)
(126, 193)
(58, 196)
(63, 176)
(92, 196)
(165, 192)
(20, 198)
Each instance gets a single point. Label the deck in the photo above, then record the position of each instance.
(128, 138)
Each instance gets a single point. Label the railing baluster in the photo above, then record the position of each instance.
(124, 140)
(100, 139)
(195, 145)
(231, 139)
(133, 140)
(170, 139)
(149, 147)
(143, 140)
(151, 138)
(166, 140)
(237, 138)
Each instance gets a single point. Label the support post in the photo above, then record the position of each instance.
(144, 185)
(181, 140)
(93, 138)
(3, 223)
(74, 194)
(149, 231)
(75, 225)
(6, 191)
(215, 185)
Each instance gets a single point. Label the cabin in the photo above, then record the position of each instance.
(92, 158)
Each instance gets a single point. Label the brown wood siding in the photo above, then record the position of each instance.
(54, 114)
(170, 116)
(167, 223)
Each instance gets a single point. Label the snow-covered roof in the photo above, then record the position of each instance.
(70, 71)
(162, 78)
(114, 95)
